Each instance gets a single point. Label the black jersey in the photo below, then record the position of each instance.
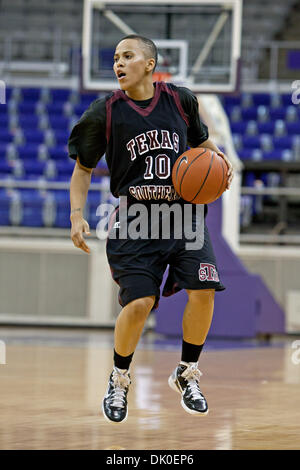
(141, 140)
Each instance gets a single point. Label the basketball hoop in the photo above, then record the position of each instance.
(162, 77)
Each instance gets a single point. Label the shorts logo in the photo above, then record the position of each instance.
(208, 272)
(117, 225)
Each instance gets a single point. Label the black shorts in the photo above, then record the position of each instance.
(138, 266)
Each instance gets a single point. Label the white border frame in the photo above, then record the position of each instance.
(104, 85)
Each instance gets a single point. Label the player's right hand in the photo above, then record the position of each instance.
(79, 227)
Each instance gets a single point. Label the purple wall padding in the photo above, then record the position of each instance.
(244, 309)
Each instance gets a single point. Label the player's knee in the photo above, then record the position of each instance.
(201, 295)
(139, 309)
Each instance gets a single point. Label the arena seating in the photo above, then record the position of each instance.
(34, 128)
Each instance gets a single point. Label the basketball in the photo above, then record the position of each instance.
(200, 176)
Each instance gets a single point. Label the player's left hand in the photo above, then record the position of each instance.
(230, 169)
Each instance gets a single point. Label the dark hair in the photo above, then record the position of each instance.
(147, 43)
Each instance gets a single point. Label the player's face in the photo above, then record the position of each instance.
(130, 64)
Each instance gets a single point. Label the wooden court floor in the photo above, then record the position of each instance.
(52, 386)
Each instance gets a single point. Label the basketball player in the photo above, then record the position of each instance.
(135, 126)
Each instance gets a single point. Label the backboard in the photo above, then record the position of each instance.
(199, 42)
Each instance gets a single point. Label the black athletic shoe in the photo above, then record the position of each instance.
(185, 380)
(114, 404)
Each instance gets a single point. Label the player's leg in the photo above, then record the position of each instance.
(196, 272)
(128, 329)
(196, 322)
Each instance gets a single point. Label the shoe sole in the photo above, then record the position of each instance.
(110, 420)
(174, 387)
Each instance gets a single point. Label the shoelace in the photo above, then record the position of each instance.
(121, 382)
(192, 375)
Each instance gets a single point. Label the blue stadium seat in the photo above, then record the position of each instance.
(62, 95)
(6, 136)
(28, 151)
(27, 108)
(293, 128)
(5, 200)
(249, 113)
(64, 167)
(251, 141)
(29, 121)
(238, 127)
(4, 121)
(261, 99)
(286, 99)
(5, 167)
(276, 154)
(79, 109)
(34, 136)
(245, 154)
(32, 208)
(34, 167)
(61, 137)
(284, 142)
(277, 113)
(87, 98)
(58, 152)
(55, 108)
(232, 101)
(59, 122)
(62, 202)
(266, 127)
(31, 94)
(3, 109)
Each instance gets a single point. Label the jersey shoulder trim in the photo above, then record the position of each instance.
(172, 90)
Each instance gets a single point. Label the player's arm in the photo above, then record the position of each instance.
(86, 144)
(80, 183)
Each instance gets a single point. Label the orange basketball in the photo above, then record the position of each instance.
(200, 176)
